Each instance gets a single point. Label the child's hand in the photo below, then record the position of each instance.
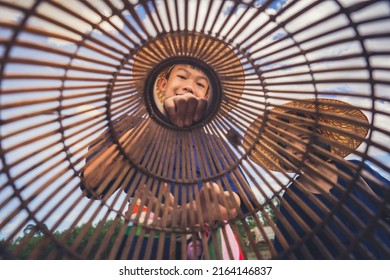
(185, 110)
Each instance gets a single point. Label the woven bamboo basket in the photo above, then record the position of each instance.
(79, 75)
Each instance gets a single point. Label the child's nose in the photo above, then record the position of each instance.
(188, 87)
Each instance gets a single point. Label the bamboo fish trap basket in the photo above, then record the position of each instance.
(77, 85)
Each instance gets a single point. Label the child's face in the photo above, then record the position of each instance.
(294, 149)
(186, 79)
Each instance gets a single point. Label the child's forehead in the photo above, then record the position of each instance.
(190, 68)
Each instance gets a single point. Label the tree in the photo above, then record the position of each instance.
(270, 212)
(264, 222)
(26, 244)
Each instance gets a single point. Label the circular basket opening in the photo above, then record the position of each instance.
(193, 71)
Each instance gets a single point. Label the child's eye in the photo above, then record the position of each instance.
(181, 77)
(201, 85)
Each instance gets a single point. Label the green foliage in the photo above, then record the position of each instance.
(252, 223)
(270, 212)
(34, 241)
